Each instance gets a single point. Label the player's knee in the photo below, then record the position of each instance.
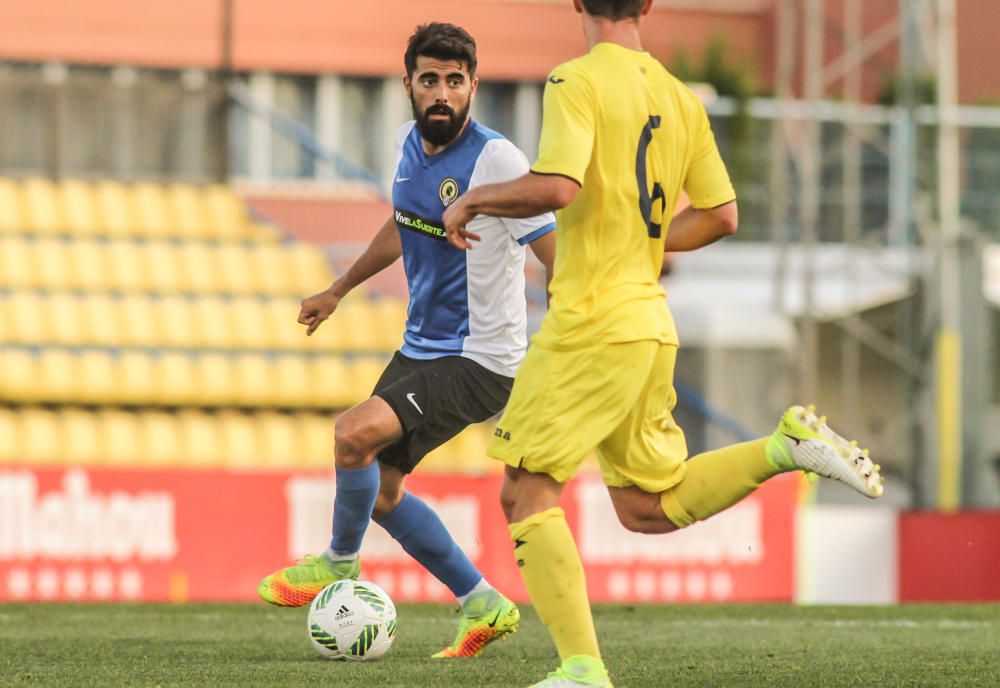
(636, 523)
(641, 518)
(351, 443)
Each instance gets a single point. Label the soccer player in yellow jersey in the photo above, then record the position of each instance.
(620, 138)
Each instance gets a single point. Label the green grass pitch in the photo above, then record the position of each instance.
(683, 646)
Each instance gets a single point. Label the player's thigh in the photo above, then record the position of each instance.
(647, 448)
(564, 403)
(438, 401)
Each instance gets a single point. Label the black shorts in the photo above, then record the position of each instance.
(435, 400)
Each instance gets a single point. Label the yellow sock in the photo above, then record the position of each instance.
(553, 573)
(716, 480)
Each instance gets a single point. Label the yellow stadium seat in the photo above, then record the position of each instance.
(331, 382)
(51, 261)
(241, 441)
(365, 372)
(39, 436)
(232, 263)
(16, 264)
(96, 376)
(162, 267)
(79, 207)
(115, 214)
(138, 321)
(11, 212)
(26, 319)
(264, 232)
(226, 212)
(281, 444)
(292, 381)
(160, 439)
(64, 313)
(196, 262)
(213, 323)
(10, 447)
(43, 211)
(390, 323)
(201, 439)
(284, 331)
(190, 215)
(273, 272)
(255, 380)
(138, 382)
(358, 321)
(470, 450)
(81, 433)
(216, 376)
(177, 382)
(152, 212)
(126, 266)
(101, 324)
(251, 329)
(6, 324)
(19, 372)
(89, 265)
(59, 376)
(176, 315)
(310, 269)
(120, 437)
(316, 440)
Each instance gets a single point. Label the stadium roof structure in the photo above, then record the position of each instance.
(749, 295)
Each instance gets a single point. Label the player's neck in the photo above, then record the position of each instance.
(623, 33)
(431, 149)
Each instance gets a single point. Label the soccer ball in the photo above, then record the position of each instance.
(352, 620)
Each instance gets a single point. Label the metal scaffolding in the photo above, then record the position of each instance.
(923, 222)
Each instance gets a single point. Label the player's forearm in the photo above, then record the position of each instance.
(384, 250)
(692, 228)
(527, 196)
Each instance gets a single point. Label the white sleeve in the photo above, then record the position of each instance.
(401, 135)
(507, 163)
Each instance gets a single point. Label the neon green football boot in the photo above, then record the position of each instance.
(803, 441)
(498, 620)
(577, 671)
(294, 586)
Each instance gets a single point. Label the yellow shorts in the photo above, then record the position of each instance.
(615, 398)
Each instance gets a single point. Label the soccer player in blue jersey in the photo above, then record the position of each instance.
(465, 336)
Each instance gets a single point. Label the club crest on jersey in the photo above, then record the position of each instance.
(448, 191)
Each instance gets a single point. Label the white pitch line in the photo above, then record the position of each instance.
(951, 624)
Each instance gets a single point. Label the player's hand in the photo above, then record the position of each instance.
(317, 308)
(456, 217)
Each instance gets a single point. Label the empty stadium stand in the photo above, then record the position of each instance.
(154, 325)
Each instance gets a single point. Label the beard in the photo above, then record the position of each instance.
(440, 133)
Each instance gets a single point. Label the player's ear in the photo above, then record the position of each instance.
(407, 84)
(647, 8)
(475, 87)
(579, 6)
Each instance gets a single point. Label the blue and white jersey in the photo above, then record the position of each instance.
(462, 303)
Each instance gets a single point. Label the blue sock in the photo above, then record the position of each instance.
(422, 534)
(352, 507)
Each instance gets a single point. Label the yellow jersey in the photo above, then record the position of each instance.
(617, 122)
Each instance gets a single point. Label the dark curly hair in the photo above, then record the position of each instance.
(442, 41)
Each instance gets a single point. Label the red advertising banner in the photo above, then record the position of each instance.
(949, 557)
(157, 535)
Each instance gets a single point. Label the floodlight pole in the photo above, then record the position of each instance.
(948, 344)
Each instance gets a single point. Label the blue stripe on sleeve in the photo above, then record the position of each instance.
(541, 231)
